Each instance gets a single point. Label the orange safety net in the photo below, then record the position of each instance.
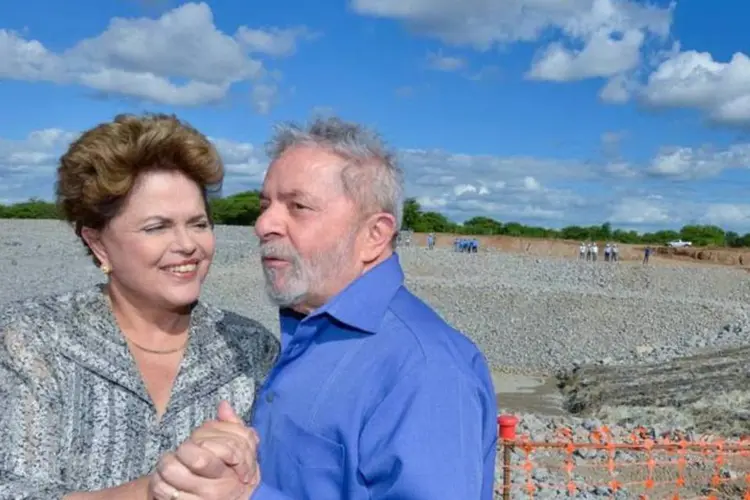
(639, 467)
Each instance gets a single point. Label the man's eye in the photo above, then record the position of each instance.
(299, 206)
(153, 229)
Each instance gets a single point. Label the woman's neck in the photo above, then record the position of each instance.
(146, 325)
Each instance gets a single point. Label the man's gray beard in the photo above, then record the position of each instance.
(288, 296)
(299, 277)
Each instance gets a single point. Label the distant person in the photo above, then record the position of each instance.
(582, 251)
(607, 252)
(431, 241)
(615, 253)
(474, 245)
(594, 251)
(374, 396)
(646, 254)
(101, 384)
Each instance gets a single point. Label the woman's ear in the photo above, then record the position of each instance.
(92, 237)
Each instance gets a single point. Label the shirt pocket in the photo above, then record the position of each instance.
(307, 465)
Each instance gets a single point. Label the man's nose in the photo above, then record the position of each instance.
(270, 223)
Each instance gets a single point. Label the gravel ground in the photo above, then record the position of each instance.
(528, 315)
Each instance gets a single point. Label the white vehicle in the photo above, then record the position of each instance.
(679, 244)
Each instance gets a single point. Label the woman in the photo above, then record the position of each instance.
(98, 384)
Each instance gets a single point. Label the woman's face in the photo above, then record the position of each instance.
(160, 246)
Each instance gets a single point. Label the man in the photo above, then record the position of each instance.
(374, 396)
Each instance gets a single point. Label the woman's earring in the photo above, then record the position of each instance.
(105, 269)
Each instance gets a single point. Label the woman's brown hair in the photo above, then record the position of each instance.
(100, 168)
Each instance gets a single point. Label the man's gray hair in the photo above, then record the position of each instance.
(371, 176)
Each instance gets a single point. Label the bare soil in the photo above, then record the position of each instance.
(709, 391)
(706, 394)
(691, 256)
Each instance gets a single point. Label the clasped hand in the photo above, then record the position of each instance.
(217, 462)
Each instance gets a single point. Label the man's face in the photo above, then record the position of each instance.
(308, 229)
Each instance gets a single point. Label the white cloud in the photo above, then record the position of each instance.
(440, 62)
(28, 166)
(679, 163)
(592, 38)
(602, 56)
(264, 96)
(485, 23)
(508, 188)
(727, 214)
(181, 58)
(694, 79)
(687, 163)
(546, 192)
(274, 41)
(634, 211)
(617, 90)
(531, 184)
(432, 203)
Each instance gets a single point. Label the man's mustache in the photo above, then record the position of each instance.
(278, 251)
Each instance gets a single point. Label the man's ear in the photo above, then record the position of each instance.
(92, 237)
(379, 231)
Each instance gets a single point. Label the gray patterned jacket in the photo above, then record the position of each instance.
(74, 413)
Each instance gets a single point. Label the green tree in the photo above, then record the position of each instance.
(429, 222)
(703, 235)
(244, 209)
(241, 209)
(32, 209)
(412, 213)
(482, 225)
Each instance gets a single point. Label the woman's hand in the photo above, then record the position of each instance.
(217, 462)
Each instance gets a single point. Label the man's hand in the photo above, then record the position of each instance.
(218, 462)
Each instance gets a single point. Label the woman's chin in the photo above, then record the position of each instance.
(181, 298)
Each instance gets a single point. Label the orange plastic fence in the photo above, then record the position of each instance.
(640, 467)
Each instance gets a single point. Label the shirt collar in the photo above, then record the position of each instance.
(363, 303)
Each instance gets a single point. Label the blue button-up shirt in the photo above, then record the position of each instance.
(375, 397)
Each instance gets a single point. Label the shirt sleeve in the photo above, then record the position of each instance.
(30, 433)
(424, 441)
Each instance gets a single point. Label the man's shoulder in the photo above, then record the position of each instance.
(415, 314)
(434, 338)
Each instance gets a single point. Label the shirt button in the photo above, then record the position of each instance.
(270, 396)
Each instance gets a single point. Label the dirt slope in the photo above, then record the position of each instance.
(708, 392)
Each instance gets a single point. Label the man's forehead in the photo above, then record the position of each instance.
(304, 170)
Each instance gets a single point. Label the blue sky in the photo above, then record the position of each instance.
(550, 113)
